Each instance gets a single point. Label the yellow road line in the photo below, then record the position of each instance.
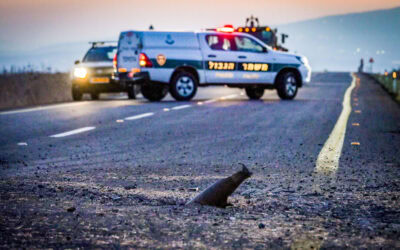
(328, 158)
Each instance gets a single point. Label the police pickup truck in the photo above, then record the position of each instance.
(180, 62)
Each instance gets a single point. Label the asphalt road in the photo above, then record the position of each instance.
(116, 173)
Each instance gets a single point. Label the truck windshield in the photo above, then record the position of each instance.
(264, 36)
(100, 54)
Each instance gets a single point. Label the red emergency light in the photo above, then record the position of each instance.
(115, 61)
(227, 28)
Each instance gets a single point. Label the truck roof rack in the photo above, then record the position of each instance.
(102, 43)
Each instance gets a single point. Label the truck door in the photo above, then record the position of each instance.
(219, 59)
(128, 52)
(254, 62)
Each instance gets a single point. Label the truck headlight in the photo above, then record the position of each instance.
(304, 60)
(80, 72)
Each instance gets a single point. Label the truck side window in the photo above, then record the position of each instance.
(216, 42)
(100, 54)
(245, 44)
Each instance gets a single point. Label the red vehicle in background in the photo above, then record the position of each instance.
(265, 33)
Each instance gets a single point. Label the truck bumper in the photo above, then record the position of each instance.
(305, 71)
(87, 87)
(125, 80)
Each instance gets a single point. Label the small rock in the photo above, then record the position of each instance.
(395, 227)
(249, 193)
(261, 226)
(130, 187)
(71, 209)
(115, 197)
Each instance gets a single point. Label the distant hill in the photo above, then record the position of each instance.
(60, 57)
(338, 43)
(334, 43)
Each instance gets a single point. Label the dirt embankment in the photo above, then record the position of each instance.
(29, 89)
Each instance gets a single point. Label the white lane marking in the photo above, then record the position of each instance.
(55, 106)
(73, 132)
(182, 107)
(210, 101)
(22, 144)
(220, 98)
(135, 117)
(166, 109)
(328, 158)
(229, 97)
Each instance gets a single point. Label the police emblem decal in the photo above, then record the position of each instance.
(169, 40)
(161, 59)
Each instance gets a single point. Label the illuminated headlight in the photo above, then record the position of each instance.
(80, 72)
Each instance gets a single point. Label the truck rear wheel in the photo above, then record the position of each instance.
(131, 90)
(287, 86)
(76, 94)
(183, 86)
(154, 91)
(94, 95)
(254, 93)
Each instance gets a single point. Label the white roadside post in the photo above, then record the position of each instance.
(396, 88)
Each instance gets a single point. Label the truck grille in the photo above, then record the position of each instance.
(100, 71)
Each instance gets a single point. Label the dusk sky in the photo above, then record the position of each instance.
(31, 24)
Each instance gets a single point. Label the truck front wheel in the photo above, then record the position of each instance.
(154, 92)
(76, 94)
(95, 95)
(183, 86)
(287, 86)
(255, 92)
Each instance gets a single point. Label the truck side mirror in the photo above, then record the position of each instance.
(76, 62)
(284, 36)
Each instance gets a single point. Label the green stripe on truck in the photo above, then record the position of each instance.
(174, 63)
(275, 67)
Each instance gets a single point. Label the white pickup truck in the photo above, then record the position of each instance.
(180, 62)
